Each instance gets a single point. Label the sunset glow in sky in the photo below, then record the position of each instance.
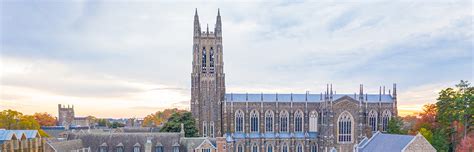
(124, 59)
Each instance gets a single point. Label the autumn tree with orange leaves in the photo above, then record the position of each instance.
(45, 119)
(160, 117)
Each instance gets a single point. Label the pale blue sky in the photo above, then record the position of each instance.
(105, 56)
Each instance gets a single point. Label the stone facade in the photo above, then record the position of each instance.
(313, 121)
(419, 143)
(65, 115)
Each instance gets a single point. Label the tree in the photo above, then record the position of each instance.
(409, 122)
(455, 111)
(174, 124)
(12, 120)
(159, 117)
(45, 119)
(439, 140)
(9, 119)
(395, 126)
(466, 144)
(427, 134)
(427, 118)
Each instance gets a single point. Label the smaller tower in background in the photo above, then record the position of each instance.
(65, 115)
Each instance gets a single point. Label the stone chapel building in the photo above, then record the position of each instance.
(287, 122)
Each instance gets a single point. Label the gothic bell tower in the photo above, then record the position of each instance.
(207, 79)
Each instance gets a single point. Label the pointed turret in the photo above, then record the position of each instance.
(218, 27)
(197, 26)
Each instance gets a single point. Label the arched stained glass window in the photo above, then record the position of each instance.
(239, 121)
(299, 148)
(284, 148)
(299, 121)
(284, 121)
(204, 129)
(203, 59)
(313, 121)
(314, 148)
(386, 115)
(269, 148)
(345, 126)
(254, 121)
(269, 121)
(211, 129)
(240, 148)
(255, 148)
(373, 120)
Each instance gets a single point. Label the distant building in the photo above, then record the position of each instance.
(394, 143)
(67, 118)
(20, 141)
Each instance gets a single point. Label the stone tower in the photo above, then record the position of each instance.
(207, 78)
(65, 115)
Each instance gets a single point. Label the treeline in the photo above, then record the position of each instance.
(446, 124)
(14, 120)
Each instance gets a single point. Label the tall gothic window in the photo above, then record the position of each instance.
(284, 121)
(212, 57)
(299, 148)
(203, 60)
(299, 121)
(239, 121)
(269, 121)
(254, 121)
(284, 148)
(314, 148)
(211, 129)
(313, 121)
(255, 148)
(386, 115)
(204, 129)
(345, 125)
(269, 148)
(373, 120)
(240, 148)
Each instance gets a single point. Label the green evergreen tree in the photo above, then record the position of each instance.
(174, 124)
(439, 141)
(395, 126)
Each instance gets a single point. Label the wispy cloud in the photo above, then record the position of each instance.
(137, 54)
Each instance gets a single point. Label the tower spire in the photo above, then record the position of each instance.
(218, 27)
(197, 26)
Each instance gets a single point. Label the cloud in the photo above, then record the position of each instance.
(139, 52)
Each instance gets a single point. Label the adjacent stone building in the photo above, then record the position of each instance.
(286, 122)
(20, 141)
(394, 143)
(67, 118)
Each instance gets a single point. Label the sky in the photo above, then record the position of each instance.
(129, 59)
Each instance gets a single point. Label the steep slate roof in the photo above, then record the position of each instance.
(244, 97)
(28, 133)
(6, 135)
(129, 140)
(66, 145)
(385, 143)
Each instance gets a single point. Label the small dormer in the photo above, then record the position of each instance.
(119, 147)
(159, 147)
(103, 147)
(136, 147)
(176, 147)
